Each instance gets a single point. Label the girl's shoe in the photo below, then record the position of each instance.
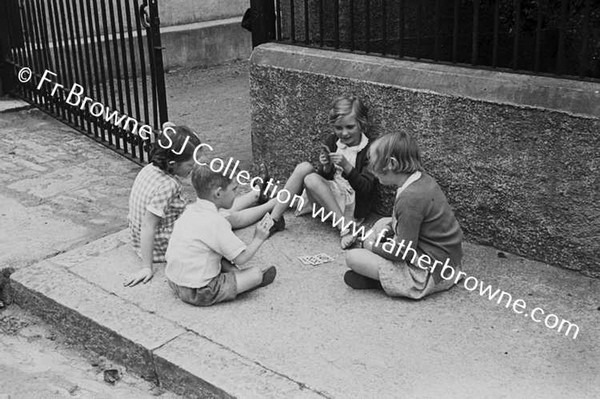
(360, 282)
(348, 239)
(278, 225)
(263, 173)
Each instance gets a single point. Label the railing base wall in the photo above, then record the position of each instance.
(205, 43)
(516, 155)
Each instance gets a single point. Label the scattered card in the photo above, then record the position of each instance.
(304, 260)
(315, 260)
(324, 258)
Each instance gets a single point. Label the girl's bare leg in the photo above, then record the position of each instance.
(364, 262)
(319, 190)
(245, 200)
(245, 217)
(294, 185)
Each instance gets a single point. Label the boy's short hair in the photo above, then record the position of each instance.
(206, 180)
(399, 145)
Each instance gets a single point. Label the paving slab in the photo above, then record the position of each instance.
(222, 372)
(58, 190)
(308, 330)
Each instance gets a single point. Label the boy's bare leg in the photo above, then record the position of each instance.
(248, 279)
(364, 262)
(245, 217)
(245, 200)
(294, 185)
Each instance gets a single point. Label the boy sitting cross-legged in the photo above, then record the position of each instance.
(202, 245)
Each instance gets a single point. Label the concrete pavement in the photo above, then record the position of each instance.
(63, 212)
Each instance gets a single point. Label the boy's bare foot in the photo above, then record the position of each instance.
(268, 276)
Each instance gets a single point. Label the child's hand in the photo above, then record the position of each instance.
(143, 275)
(387, 232)
(269, 222)
(324, 159)
(341, 161)
(263, 228)
(368, 244)
(324, 155)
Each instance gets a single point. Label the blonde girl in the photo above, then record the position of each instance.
(342, 183)
(422, 220)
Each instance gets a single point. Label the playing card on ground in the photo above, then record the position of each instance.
(304, 260)
(313, 260)
(324, 257)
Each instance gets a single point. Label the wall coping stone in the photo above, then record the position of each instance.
(577, 98)
(201, 25)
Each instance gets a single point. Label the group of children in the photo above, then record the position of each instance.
(202, 253)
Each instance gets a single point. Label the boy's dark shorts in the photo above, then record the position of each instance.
(220, 289)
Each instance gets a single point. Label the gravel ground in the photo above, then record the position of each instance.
(215, 102)
(36, 361)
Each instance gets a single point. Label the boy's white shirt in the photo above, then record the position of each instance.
(201, 238)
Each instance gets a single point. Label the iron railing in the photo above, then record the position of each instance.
(111, 49)
(554, 37)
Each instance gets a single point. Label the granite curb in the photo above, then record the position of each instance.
(155, 348)
(13, 105)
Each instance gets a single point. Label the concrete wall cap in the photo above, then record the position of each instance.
(573, 97)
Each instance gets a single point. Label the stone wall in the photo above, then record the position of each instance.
(180, 12)
(202, 33)
(518, 156)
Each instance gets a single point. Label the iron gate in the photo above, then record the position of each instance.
(94, 65)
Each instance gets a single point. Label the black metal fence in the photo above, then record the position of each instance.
(555, 37)
(95, 65)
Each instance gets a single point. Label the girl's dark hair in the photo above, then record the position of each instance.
(167, 149)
